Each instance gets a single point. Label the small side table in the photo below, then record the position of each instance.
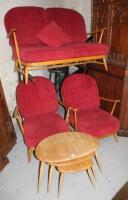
(68, 151)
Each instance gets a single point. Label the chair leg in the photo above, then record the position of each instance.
(60, 182)
(50, 173)
(91, 177)
(105, 64)
(26, 75)
(40, 174)
(116, 137)
(30, 152)
(98, 162)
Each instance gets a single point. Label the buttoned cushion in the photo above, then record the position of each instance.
(96, 122)
(53, 35)
(39, 127)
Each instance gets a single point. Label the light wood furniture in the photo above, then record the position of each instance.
(38, 18)
(113, 83)
(85, 164)
(7, 132)
(23, 67)
(69, 152)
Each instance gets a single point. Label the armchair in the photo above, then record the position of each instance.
(49, 38)
(80, 95)
(36, 112)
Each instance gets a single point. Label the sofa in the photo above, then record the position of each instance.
(47, 38)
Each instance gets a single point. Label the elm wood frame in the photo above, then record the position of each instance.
(62, 161)
(74, 110)
(24, 67)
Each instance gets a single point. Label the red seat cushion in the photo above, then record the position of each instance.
(47, 53)
(53, 35)
(39, 127)
(36, 98)
(96, 122)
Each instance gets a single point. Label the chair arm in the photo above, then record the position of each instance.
(18, 118)
(115, 101)
(10, 33)
(98, 31)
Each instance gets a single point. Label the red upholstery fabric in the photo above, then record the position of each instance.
(47, 53)
(37, 103)
(30, 21)
(53, 35)
(36, 98)
(27, 21)
(70, 21)
(80, 91)
(96, 122)
(40, 127)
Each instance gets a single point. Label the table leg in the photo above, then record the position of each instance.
(50, 172)
(98, 162)
(91, 176)
(60, 182)
(41, 167)
(93, 173)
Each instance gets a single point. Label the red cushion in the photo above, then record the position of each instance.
(40, 127)
(80, 91)
(53, 35)
(26, 20)
(36, 97)
(96, 122)
(71, 21)
(47, 53)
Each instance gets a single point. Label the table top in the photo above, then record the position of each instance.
(66, 146)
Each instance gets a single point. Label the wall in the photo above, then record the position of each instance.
(7, 75)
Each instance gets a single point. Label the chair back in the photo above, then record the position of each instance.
(36, 98)
(80, 91)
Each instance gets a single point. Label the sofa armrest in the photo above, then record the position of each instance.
(101, 31)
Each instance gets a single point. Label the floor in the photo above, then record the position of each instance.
(19, 178)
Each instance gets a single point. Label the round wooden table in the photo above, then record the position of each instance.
(65, 149)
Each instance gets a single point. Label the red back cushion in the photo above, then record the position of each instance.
(80, 91)
(27, 21)
(70, 21)
(36, 98)
(53, 35)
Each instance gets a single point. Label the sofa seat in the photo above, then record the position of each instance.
(41, 126)
(30, 54)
